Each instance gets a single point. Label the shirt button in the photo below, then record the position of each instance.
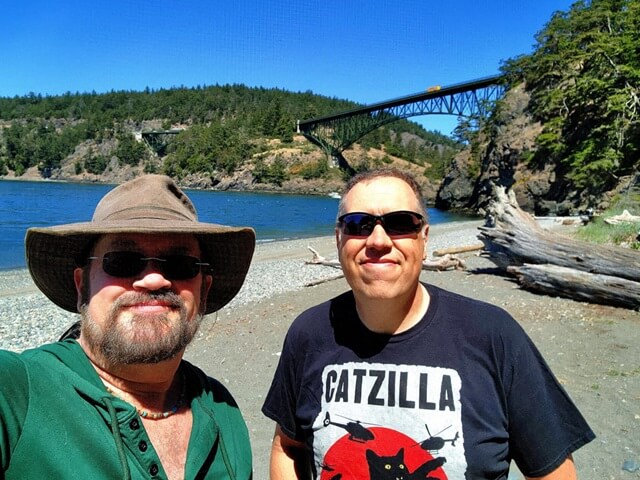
(134, 424)
(142, 446)
(153, 470)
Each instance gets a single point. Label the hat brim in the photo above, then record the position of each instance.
(53, 253)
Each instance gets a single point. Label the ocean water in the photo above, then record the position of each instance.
(274, 217)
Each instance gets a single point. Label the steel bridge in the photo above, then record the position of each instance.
(157, 140)
(334, 133)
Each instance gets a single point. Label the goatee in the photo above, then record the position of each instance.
(142, 338)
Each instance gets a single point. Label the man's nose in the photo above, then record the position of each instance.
(379, 236)
(152, 278)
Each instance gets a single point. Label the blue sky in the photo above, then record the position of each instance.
(361, 50)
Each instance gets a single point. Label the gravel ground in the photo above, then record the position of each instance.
(594, 350)
(30, 319)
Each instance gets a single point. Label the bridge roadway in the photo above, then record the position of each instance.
(334, 133)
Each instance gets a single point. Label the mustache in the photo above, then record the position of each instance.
(142, 298)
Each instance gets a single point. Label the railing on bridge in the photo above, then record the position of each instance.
(334, 133)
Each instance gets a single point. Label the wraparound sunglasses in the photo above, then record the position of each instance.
(361, 224)
(130, 264)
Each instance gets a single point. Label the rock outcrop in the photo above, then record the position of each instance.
(500, 159)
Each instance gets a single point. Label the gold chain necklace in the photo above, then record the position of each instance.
(157, 415)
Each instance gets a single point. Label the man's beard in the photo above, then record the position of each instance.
(124, 343)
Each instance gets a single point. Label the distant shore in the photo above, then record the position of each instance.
(307, 187)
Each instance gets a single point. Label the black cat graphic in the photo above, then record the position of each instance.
(394, 468)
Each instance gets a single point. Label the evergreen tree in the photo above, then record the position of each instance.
(584, 81)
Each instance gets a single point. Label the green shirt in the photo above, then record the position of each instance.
(58, 421)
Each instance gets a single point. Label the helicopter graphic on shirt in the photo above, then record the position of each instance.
(357, 432)
(435, 443)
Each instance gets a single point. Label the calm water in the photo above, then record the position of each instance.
(273, 216)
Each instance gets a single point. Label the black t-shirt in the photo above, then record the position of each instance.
(459, 395)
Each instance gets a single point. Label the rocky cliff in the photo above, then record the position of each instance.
(499, 157)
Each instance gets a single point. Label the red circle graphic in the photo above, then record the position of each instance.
(346, 459)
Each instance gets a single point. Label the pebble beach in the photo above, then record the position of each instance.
(30, 319)
(593, 350)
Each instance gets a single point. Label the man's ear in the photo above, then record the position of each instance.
(338, 242)
(425, 235)
(78, 280)
(207, 281)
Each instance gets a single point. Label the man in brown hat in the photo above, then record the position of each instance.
(120, 402)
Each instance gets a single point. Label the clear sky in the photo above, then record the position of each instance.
(361, 50)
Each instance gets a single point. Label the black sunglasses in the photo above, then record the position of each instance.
(130, 264)
(361, 224)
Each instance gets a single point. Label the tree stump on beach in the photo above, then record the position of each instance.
(515, 242)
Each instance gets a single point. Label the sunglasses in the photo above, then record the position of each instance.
(360, 224)
(130, 264)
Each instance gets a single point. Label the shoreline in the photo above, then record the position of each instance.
(117, 182)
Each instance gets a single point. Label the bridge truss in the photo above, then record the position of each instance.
(157, 140)
(334, 133)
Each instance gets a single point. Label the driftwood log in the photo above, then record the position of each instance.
(461, 249)
(446, 262)
(588, 287)
(556, 264)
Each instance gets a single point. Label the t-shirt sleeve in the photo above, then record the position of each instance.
(545, 426)
(14, 402)
(282, 398)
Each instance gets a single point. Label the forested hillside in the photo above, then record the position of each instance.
(224, 131)
(584, 84)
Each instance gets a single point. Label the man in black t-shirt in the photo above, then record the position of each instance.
(398, 379)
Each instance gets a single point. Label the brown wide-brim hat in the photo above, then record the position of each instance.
(151, 204)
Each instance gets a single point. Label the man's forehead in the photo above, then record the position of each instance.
(379, 189)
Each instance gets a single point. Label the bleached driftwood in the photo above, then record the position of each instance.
(447, 262)
(624, 217)
(464, 248)
(572, 283)
(318, 259)
(323, 280)
(514, 239)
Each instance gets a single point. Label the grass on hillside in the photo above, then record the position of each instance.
(625, 234)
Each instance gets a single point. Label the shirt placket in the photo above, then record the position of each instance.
(138, 443)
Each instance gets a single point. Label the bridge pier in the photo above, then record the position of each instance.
(338, 160)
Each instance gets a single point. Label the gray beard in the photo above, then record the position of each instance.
(117, 346)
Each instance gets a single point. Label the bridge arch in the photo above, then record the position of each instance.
(334, 133)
